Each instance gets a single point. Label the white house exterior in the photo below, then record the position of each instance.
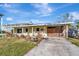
(47, 30)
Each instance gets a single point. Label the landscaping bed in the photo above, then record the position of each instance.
(15, 47)
(74, 41)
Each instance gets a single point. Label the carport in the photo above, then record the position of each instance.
(58, 30)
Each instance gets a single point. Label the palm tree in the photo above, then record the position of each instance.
(66, 17)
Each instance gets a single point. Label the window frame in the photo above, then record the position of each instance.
(19, 29)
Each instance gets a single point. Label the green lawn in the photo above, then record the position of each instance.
(15, 47)
(74, 41)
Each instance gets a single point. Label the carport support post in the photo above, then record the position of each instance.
(59, 31)
(22, 30)
(13, 31)
(46, 31)
(32, 33)
(66, 31)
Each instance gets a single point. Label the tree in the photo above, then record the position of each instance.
(66, 16)
(70, 25)
(1, 15)
(77, 25)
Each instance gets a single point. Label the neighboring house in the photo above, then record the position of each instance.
(47, 30)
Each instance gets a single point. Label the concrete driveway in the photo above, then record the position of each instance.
(54, 47)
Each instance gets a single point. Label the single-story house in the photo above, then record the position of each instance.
(47, 30)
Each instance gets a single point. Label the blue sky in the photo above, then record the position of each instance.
(37, 12)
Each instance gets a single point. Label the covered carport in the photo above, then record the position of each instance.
(57, 30)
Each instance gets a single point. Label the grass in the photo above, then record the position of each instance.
(15, 47)
(74, 41)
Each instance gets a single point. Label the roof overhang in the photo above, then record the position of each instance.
(28, 25)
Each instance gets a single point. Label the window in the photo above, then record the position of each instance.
(37, 29)
(26, 30)
(19, 30)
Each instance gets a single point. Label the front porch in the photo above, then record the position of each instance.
(31, 30)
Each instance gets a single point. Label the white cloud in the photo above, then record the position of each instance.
(9, 18)
(12, 10)
(39, 21)
(43, 9)
(75, 15)
(5, 5)
(8, 7)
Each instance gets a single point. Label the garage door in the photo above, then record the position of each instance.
(54, 31)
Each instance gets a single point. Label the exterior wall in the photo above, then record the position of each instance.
(31, 30)
(41, 27)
